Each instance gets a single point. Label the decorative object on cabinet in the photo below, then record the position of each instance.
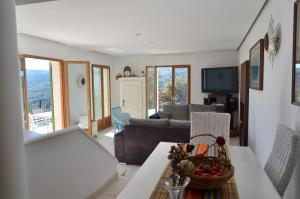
(296, 57)
(118, 75)
(257, 65)
(127, 71)
(272, 40)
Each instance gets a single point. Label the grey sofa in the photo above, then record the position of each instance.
(136, 142)
(183, 111)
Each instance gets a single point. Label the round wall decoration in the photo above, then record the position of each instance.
(272, 40)
(82, 81)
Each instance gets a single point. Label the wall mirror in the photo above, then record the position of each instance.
(296, 56)
(78, 91)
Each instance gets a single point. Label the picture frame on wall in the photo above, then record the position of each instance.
(256, 68)
(296, 56)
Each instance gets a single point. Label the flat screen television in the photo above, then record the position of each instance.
(220, 80)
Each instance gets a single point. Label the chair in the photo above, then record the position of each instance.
(217, 124)
(282, 159)
(119, 119)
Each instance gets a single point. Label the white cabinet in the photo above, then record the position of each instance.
(133, 96)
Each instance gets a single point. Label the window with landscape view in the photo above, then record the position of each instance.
(41, 94)
(167, 84)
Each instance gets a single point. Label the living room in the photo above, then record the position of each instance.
(77, 155)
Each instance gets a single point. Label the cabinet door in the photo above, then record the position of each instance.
(132, 97)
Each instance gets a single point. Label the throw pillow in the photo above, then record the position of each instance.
(178, 111)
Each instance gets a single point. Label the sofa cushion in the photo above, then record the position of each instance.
(149, 123)
(201, 108)
(164, 115)
(180, 124)
(178, 112)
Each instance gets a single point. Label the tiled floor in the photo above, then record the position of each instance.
(126, 172)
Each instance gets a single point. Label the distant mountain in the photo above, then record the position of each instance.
(34, 77)
(39, 86)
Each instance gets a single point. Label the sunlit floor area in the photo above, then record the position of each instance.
(126, 172)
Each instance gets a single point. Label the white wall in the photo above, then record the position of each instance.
(273, 105)
(12, 169)
(197, 61)
(42, 47)
(77, 94)
(67, 165)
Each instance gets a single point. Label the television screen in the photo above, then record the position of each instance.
(220, 80)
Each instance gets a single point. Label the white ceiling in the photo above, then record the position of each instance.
(166, 26)
(23, 2)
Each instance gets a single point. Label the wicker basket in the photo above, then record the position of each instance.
(210, 182)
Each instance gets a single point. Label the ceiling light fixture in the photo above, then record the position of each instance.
(114, 50)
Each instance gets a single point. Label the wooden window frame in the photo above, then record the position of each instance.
(22, 58)
(173, 66)
(106, 121)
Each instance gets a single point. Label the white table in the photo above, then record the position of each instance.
(252, 181)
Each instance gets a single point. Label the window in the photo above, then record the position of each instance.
(167, 84)
(42, 94)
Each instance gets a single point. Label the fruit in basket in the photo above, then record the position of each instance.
(187, 166)
(198, 172)
(206, 170)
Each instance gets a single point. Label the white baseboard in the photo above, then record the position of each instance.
(103, 187)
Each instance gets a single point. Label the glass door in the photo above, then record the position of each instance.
(150, 89)
(181, 85)
(167, 84)
(97, 93)
(164, 86)
(101, 96)
(41, 92)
